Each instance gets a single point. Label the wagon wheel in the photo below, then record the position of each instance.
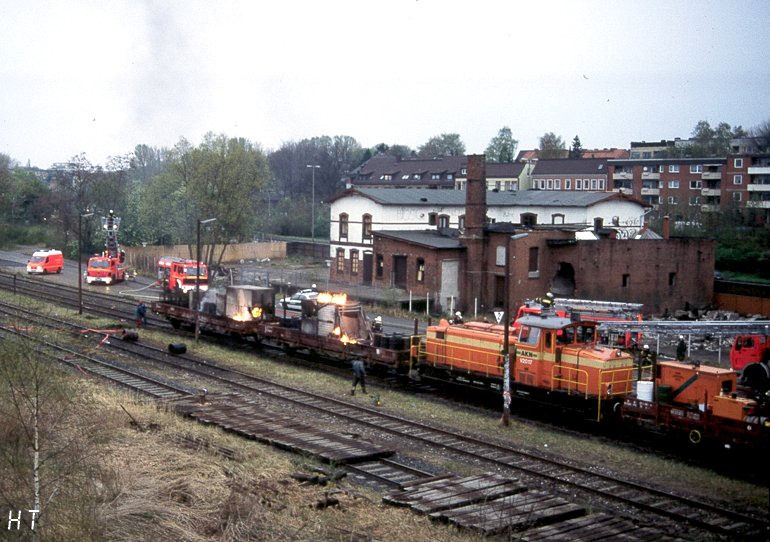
(695, 436)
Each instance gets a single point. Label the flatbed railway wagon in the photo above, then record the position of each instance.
(330, 326)
(701, 403)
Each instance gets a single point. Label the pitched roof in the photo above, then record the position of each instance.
(576, 166)
(535, 198)
(408, 171)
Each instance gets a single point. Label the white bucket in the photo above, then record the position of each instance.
(644, 390)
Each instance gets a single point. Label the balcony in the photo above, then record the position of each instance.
(759, 170)
(758, 204)
(649, 175)
(711, 176)
(710, 208)
(650, 191)
(711, 192)
(622, 176)
(754, 187)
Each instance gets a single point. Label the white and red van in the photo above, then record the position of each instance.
(46, 261)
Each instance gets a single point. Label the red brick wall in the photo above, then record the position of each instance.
(599, 267)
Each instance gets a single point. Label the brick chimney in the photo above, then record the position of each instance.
(666, 227)
(473, 235)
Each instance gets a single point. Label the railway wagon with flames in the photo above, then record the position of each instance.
(551, 357)
(328, 325)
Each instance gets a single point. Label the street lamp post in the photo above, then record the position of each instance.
(312, 208)
(197, 278)
(507, 310)
(81, 216)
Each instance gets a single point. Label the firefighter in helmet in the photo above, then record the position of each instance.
(546, 301)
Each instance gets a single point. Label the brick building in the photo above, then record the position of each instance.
(465, 268)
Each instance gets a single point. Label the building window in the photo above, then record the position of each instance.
(443, 221)
(367, 226)
(601, 184)
(461, 222)
(557, 218)
(673, 183)
(567, 184)
(528, 219)
(435, 176)
(432, 219)
(738, 163)
(673, 200)
(534, 260)
(340, 260)
(420, 270)
(626, 280)
(380, 265)
(354, 262)
(694, 200)
(696, 185)
(696, 168)
(672, 279)
(549, 184)
(578, 184)
(737, 179)
(737, 196)
(594, 184)
(343, 226)
(500, 255)
(673, 168)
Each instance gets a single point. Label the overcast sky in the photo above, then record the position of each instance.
(99, 77)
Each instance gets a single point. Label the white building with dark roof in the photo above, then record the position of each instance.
(358, 212)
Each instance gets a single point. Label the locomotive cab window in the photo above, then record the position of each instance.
(529, 335)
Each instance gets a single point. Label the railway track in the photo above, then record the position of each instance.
(106, 369)
(96, 303)
(531, 469)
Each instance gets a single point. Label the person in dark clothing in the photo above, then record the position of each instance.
(377, 325)
(359, 375)
(681, 349)
(141, 315)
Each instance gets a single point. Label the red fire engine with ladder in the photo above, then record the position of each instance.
(109, 266)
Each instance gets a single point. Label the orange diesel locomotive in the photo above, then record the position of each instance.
(549, 356)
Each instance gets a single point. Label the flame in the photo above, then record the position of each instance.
(242, 314)
(336, 331)
(256, 312)
(347, 340)
(326, 298)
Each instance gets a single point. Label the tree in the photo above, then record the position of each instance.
(708, 141)
(221, 178)
(442, 145)
(502, 147)
(551, 146)
(576, 150)
(761, 135)
(47, 455)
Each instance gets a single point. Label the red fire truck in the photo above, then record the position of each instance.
(109, 266)
(178, 274)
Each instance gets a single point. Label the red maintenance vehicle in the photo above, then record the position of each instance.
(589, 309)
(108, 267)
(750, 356)
(181, 275)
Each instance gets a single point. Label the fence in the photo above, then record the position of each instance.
(146, 258)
